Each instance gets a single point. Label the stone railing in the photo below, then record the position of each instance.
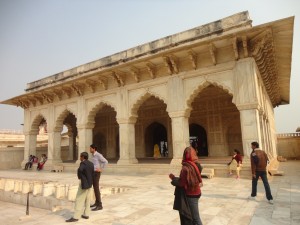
(288, 135)
(10, 131)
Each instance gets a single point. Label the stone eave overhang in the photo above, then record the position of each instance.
(245, 41)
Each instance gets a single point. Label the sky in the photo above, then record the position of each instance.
(39, 38)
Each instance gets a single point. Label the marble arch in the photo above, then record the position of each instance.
(93, 111)
(141, 99)
(202, 86)
(36, 122)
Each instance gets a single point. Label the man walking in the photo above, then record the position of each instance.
(99, 164)
(85, 174)
(259, 162)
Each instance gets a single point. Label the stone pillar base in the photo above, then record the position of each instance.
(127, 161)
(50, 163)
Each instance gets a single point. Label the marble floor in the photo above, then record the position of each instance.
(149, 201)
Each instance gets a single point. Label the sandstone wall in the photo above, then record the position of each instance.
(288, 145)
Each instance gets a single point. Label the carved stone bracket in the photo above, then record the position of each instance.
(58, 93)
(135, 73)
(23, 103)
(174, 61)
(193, 58)
(235, 48)
(77, 88)
(245, 46)
(119, 77)
(212, 51)
(39, 99)
(47, 97)
(103, 81)
(168, 64)
(67, 91)
(91, 84)
(151, 69)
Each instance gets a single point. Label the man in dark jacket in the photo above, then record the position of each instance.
(85, 174)
(259, 162)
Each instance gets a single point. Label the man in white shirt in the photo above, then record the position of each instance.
(99, 164)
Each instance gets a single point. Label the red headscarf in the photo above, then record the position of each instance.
(188, 161)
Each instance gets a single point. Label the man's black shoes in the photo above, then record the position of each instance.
(94, 205)
(85, 217)
(72, 220)
(97, 208)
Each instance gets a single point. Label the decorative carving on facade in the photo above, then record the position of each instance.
(262, 50)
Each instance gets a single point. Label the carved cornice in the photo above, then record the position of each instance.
(262, 50)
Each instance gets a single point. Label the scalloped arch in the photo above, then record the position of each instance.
(141, 100)
(36, 122)
(95, 109)
(205, 84)
(60, 119)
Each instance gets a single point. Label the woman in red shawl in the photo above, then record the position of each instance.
(190, 181)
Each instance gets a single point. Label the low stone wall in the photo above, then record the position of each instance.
(288, 145)
(12, 157)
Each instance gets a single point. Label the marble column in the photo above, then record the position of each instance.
(85, 135)
(54, 148)
(71, 146)
(30, 146)
(127, 141)
(180, 135)
(251, 130)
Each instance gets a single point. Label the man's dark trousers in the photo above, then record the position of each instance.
(263, 175)
(96, 180)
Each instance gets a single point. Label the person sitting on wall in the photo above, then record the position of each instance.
(42, 162)
(30, 162)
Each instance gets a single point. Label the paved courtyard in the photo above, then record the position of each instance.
(149, 201)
